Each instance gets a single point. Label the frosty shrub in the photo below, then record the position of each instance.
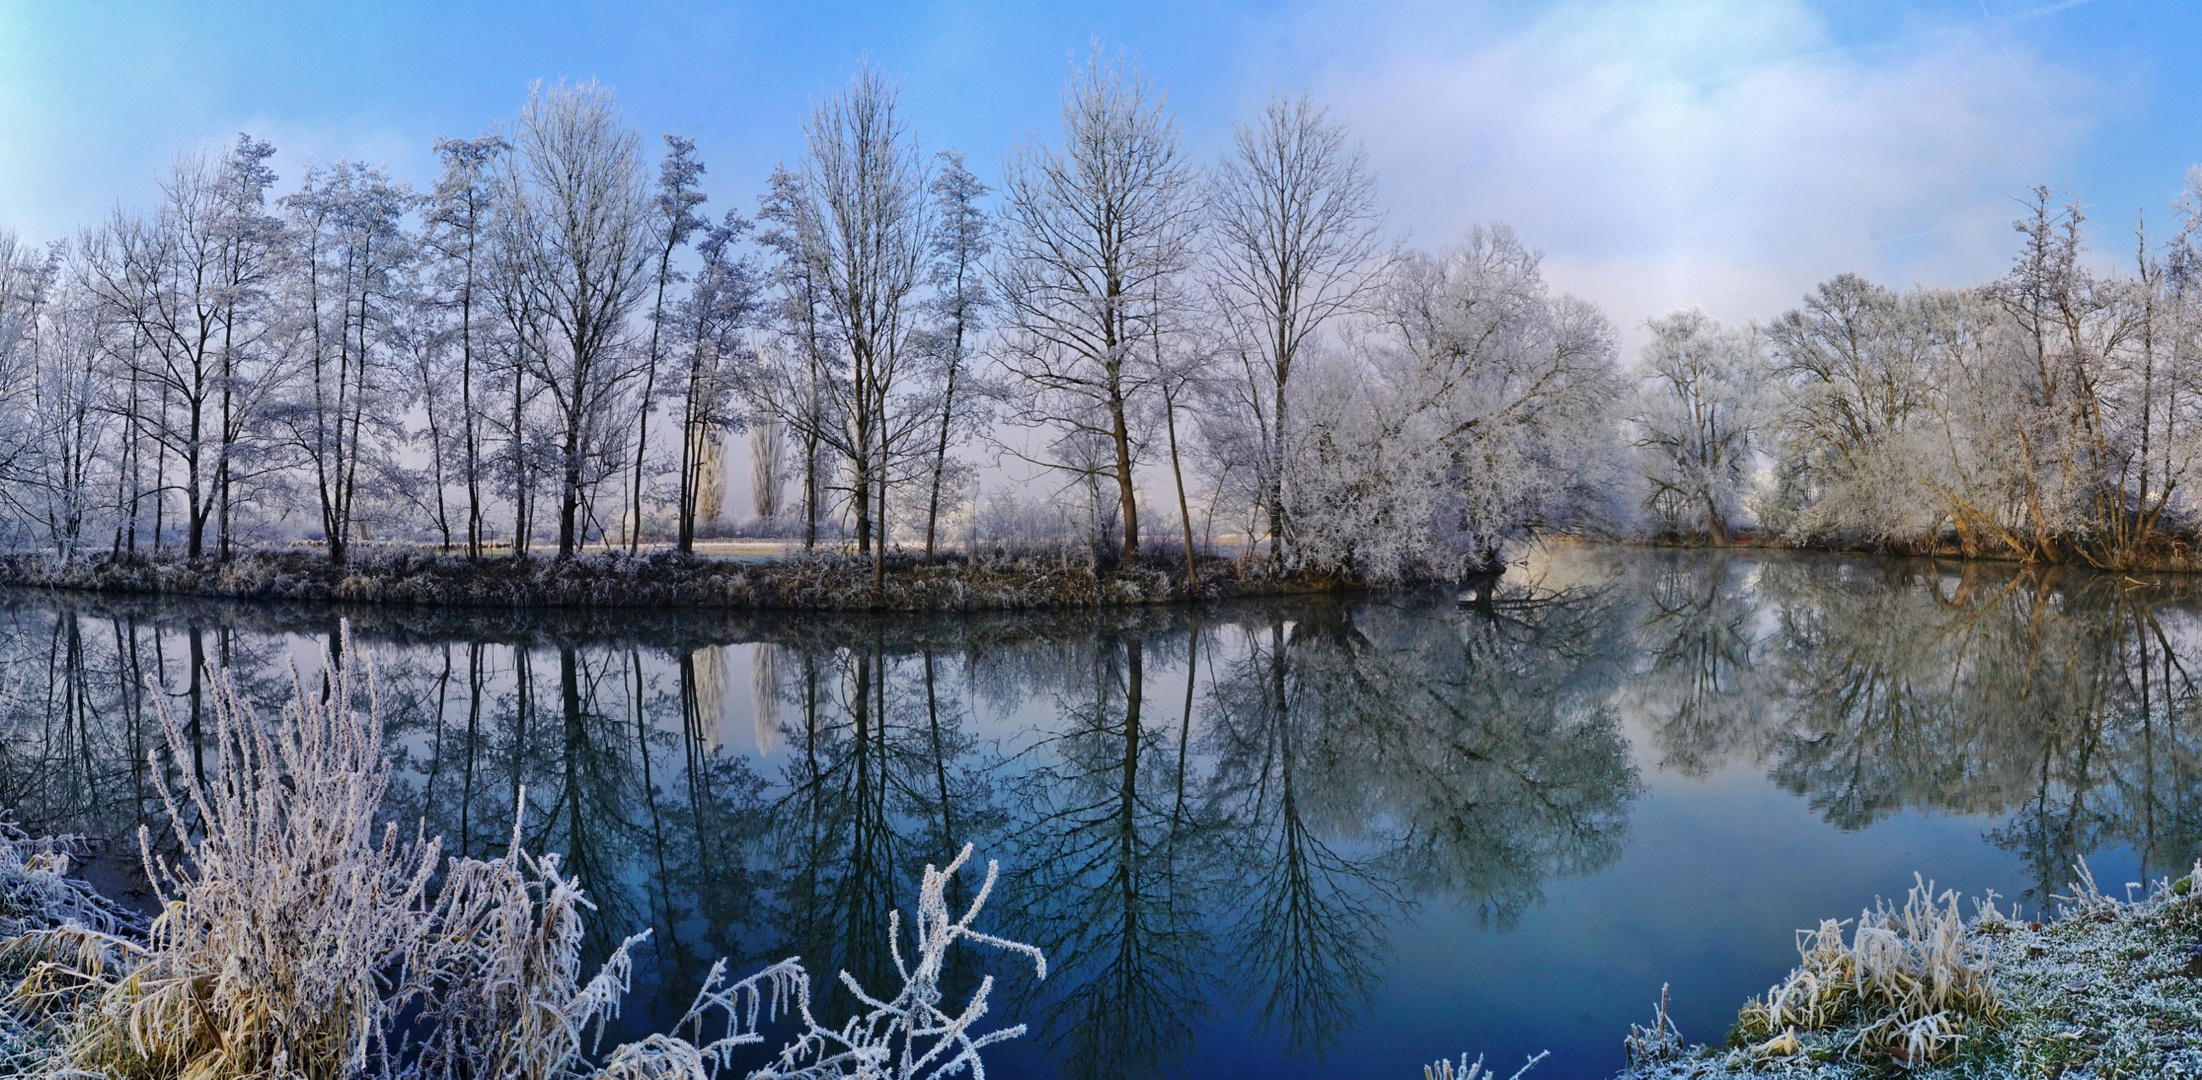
(296, 939)
(283, 913)
(37, 893)
(1660, 1042)
(1473, 1070)
(1908, 985)
(45, 914)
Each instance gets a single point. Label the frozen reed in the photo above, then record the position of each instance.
(298, 938)
(1467, 1070)
(1910, 983)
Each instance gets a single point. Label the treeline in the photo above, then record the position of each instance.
(2053, 414)
(554, 344)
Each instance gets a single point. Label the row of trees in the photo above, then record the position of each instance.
(1358, 409)
(2053, 414)
(230, 363)
(552, 344)
(355, 359)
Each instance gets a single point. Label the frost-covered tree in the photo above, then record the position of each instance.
(189, 281)
(717, 313)
(581, 217)
(768, 454)
(458, 228)
(26, 280)
(676, 220)
(1475, 409)
(57, 415)
(1095, 232)
(1295, 242)
(1854, 421)
(1696, 420)
(251, 243)
(347, 286)
(959, 304)
(2049, 415)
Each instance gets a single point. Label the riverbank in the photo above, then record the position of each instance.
(824, 582)
(2110, 989)
(2164, 555)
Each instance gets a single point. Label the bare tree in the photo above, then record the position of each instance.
(459, 229)
(716, 313)
(348, 260)
(868, 180)
(582, 211)
(789, 379)
(960, 301)
(1181, 378)
(421, 337)
(1296, 244)
(1095, 233)
(676, 220)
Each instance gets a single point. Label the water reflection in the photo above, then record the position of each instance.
(1210, 819)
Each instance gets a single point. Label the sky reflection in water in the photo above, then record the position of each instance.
(1361, 836)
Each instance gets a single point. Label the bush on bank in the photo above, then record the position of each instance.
(989, 582)
(2109, 989)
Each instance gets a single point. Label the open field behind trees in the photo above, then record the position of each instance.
(557, 343)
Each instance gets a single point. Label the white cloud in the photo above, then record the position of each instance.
(1728, 154)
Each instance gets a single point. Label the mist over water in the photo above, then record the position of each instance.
(1293, 838)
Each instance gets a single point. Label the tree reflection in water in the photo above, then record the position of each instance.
(1200, 814)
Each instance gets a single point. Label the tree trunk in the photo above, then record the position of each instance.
(1126, 493)
(1184, 513)
(940, 464)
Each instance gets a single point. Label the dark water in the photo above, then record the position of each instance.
(1303, 838)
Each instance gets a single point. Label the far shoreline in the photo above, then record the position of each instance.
(762, 576)
(797, 581)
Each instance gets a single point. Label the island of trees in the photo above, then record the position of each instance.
(556, 349)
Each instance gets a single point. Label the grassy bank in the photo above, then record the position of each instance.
(999, 582)
(2110, 989)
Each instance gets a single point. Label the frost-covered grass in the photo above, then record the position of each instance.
(1473, 1070)
(1002, 580)
(2110, 989)
(295, 938)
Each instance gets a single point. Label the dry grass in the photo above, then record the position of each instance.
(2111, 989)
(1473, 1070)
(1908, 986)
(37, 892)
(1662, 1041)
(296, 939)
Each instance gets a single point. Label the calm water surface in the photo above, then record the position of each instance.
(1303, 838)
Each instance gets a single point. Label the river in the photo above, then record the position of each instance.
(1286, 838)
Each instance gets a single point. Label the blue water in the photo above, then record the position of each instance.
(1388, 829)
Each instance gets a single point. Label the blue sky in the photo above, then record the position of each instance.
(1723, 153)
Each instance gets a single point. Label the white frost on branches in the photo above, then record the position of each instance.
(297, 939)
